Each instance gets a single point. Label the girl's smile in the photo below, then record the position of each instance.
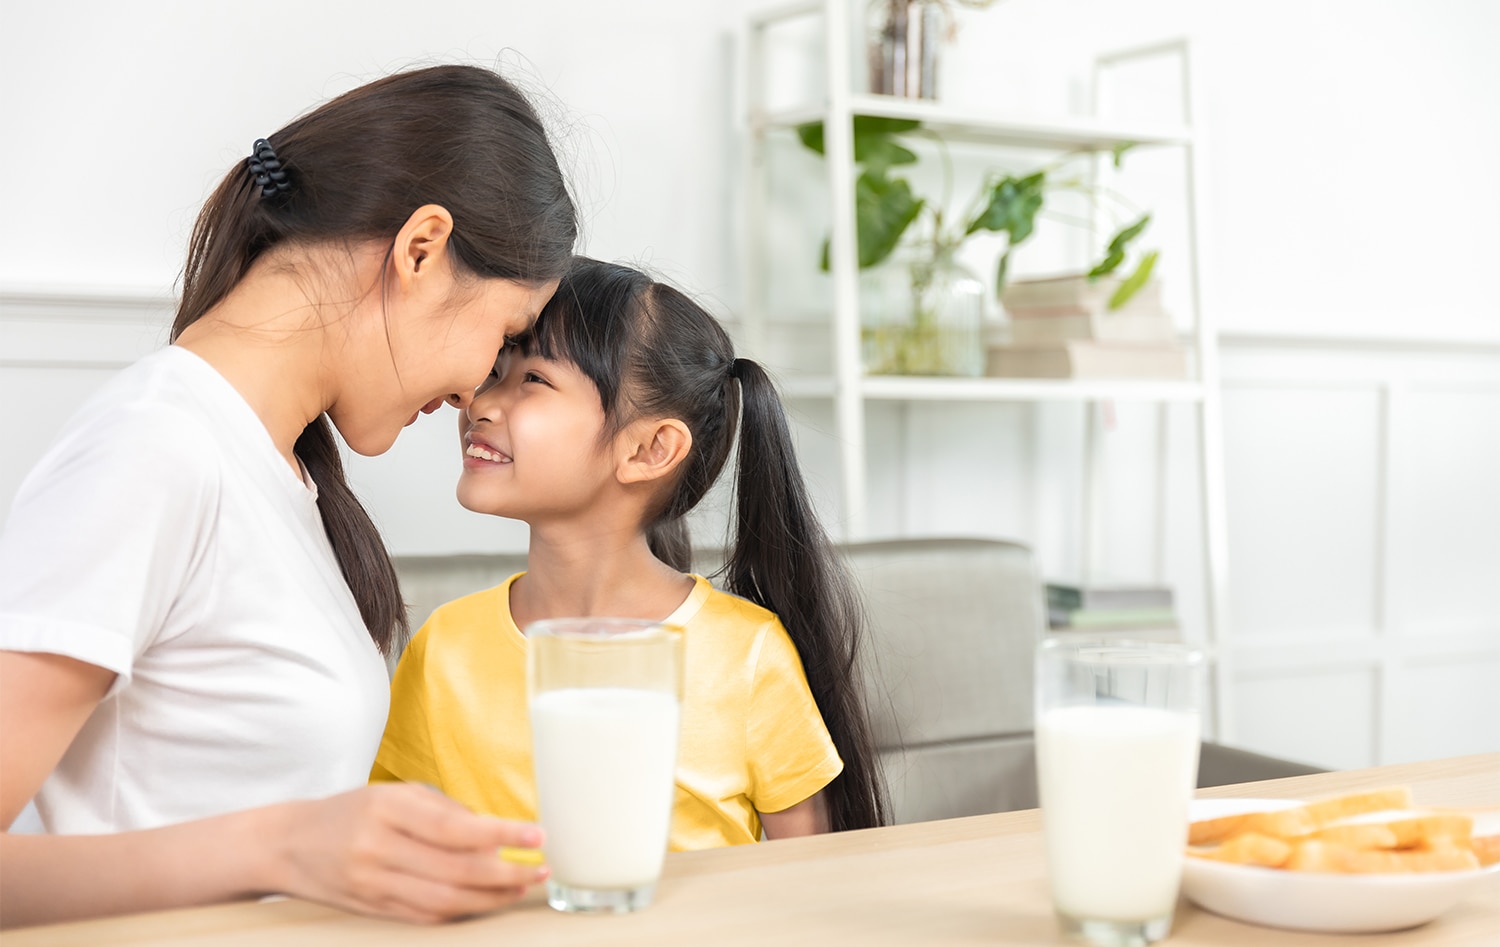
(481, 453)
(548, 413)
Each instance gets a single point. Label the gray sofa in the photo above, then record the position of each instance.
(952, 627)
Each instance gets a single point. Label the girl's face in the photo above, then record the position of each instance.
(437, 349)
(533, 442)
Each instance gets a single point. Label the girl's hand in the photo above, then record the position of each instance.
(399, 850)
(808, 817)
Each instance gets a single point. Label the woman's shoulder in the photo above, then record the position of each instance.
(146, 436)
(154, 404)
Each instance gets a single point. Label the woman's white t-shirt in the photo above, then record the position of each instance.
(166, 539)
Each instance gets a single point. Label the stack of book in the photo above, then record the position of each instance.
(1062, 327)
(1110, 608)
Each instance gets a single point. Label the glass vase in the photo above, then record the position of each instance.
(922, 313)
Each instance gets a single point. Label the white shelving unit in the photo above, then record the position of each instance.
(849, 388)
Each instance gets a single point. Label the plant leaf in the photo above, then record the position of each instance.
(865, 126)
(1122, 239)
(1118, 151)
(1115, 254)
(1135, 281)
(1023, 216)
(878, 125)
(1106, 266)
(811, 135)
(883, 208)
(878, 152)
(1013, 206)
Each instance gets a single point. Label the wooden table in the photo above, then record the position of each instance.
(980, 880)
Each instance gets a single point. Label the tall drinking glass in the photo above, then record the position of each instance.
(1117, 735)
(604, 699)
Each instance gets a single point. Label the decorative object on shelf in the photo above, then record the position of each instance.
(909, 313)
(1062, 327)
(1109, 608)
(905, 40)
(1083, 359)
(922, 314)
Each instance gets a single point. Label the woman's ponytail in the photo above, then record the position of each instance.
(356, 544)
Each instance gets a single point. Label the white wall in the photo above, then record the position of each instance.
(118, 119)
(1348, 149)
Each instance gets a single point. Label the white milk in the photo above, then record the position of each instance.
(1115, 784)
(605, 759)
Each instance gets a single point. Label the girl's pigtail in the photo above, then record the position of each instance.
(670, 542)
(783, 560)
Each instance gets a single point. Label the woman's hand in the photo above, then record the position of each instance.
(399, 850)
(395, 850)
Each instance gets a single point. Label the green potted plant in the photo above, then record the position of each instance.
(921, 314)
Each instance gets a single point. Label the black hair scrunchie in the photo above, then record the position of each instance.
(267, 170)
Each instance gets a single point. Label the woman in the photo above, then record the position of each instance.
(193, 604)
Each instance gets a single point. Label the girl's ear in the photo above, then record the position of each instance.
(651, 450)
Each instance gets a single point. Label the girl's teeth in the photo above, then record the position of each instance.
(475, 450)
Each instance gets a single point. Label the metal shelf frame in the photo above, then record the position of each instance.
(850, 388)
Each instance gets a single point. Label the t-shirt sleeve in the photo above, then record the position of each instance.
(791, 754)
(405, 753)
(104, 535)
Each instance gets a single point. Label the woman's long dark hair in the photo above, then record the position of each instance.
(652, 352)
(358, 166)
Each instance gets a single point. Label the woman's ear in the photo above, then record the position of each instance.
(421, 245)
(651, 450)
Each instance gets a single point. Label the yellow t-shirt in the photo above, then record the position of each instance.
(752, 738)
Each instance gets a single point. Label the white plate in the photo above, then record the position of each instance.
(1309, 901)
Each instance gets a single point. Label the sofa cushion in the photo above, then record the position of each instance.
(953, 626)
(950, 780)
(430, 581)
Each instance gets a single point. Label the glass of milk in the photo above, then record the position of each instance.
(1117, 735)
(604, 697)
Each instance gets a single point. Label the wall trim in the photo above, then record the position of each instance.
(153, 297)
(30, 311)
(73, 295)
(1351, 344)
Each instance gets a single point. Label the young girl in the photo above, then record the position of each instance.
(193, 603)
(601, 430)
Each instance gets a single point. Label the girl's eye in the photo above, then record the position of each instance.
(533, 376)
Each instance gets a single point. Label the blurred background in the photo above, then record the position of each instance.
(1347, 207)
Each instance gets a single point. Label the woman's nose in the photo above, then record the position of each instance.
(461, 401)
